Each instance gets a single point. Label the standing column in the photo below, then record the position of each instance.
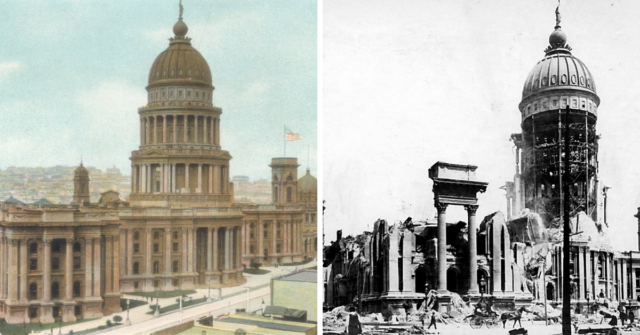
(189, 250)
(624, 280)
(199, 189)
(185, 262)
(23, 269)
(88, 266)
(164, 129)
(442, 247)
(195, 252)
(216, 179)
(141, 131)
(260, 239)
(210, 178)
(148, 249)
(633, 281)
(155, 130)
(96, 267)
(473, 249)
(108, 261)
(46, 270)
(217, 131)
(227, 249)
(173, 178)
(167, 252)
(238, 244)
(225, 180)
(204, 131)
(209, 250)
(589, 271)
(175, 128)
(274, 238)
(212, 132)
(216, 246)
(68, 270)
(116, 265)
(12, 281)
(195, 128)
(186, 177)
(582, 287)
(129, 233)
(186, 128)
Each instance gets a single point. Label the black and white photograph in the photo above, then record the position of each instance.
(479, 167)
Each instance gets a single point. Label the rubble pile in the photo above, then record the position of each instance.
(336, 318)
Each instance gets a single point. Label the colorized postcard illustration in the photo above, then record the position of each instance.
(157, 171)
(487, 181)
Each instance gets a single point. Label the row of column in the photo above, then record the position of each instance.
(159, 129)
(292, 237)
(163, 178)
(14, 263)
(442, 248)
(230, 249)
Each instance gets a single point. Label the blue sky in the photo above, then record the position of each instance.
(73, 74)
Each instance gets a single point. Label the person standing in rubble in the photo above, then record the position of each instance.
(354, 327)
(631, 317)
(433, 321)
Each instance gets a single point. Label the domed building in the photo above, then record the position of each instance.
(308, 196)
(182, 230)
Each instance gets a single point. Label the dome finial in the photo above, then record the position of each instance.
(558, 17)
(181, 10)
(180, 29)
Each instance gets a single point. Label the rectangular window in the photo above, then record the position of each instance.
(55, 263)
(175, 246)
(76, 262)
(156, 247)
(136, 247)
(33, 264)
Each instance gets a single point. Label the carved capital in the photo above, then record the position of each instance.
(442, 208)
(471, 209)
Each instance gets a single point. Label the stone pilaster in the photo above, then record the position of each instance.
(442, 247)
(473, 249)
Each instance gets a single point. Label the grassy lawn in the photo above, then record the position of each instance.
(299, 263)
(20, 328)
(256, 271)
(163, 294)
(175, 306)
(132, 304)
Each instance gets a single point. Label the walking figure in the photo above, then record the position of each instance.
(518, 317)
(354, 327)
(433, 321)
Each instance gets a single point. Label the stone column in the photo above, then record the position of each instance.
(24, 263)
(155, 130)
(217, 131)
(633, 282)
(116, 267)
(212, 131)
(624, 280)
(185, 262)
(173, 178)
(186, 177)
(147, 253)
(473, 249)
(210, 178)
(589, 271)
(186, 128)
(141, 131)
(167, 252)
(581, 287)
(189, 250)
(260, 239)
(68, 273)
(195, 129)
(216, 179)
(199, 189)
(195, 252)
(209, 250)
(442, 247)
(96, 268)
(175, 128)
(274, 238)
(393, 280)
(88, 266)
(204, 131)
(164, 129)
(225, 180)
(215, 249)
(129, 233)
(227, 249)
(108, 262)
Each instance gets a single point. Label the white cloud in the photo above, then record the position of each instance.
(7, 68)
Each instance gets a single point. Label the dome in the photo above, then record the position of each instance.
(308, 183)
(180, 63)
(558, 70)
(81, 171)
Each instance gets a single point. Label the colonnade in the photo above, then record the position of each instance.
(290, 238)
(170, 129)
(174, 177)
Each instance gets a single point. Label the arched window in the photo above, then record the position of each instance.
(33, 291)
(33, 248)
(76, 289)
(156, 267)
(55, 290)
(77, 247)
(136, 235)
(136, 268)
(176, 266)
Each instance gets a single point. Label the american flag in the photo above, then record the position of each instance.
(291, 136)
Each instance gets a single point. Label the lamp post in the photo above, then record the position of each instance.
(128, 322)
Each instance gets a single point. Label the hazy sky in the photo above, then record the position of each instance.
(73, 74)
(409, 83)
